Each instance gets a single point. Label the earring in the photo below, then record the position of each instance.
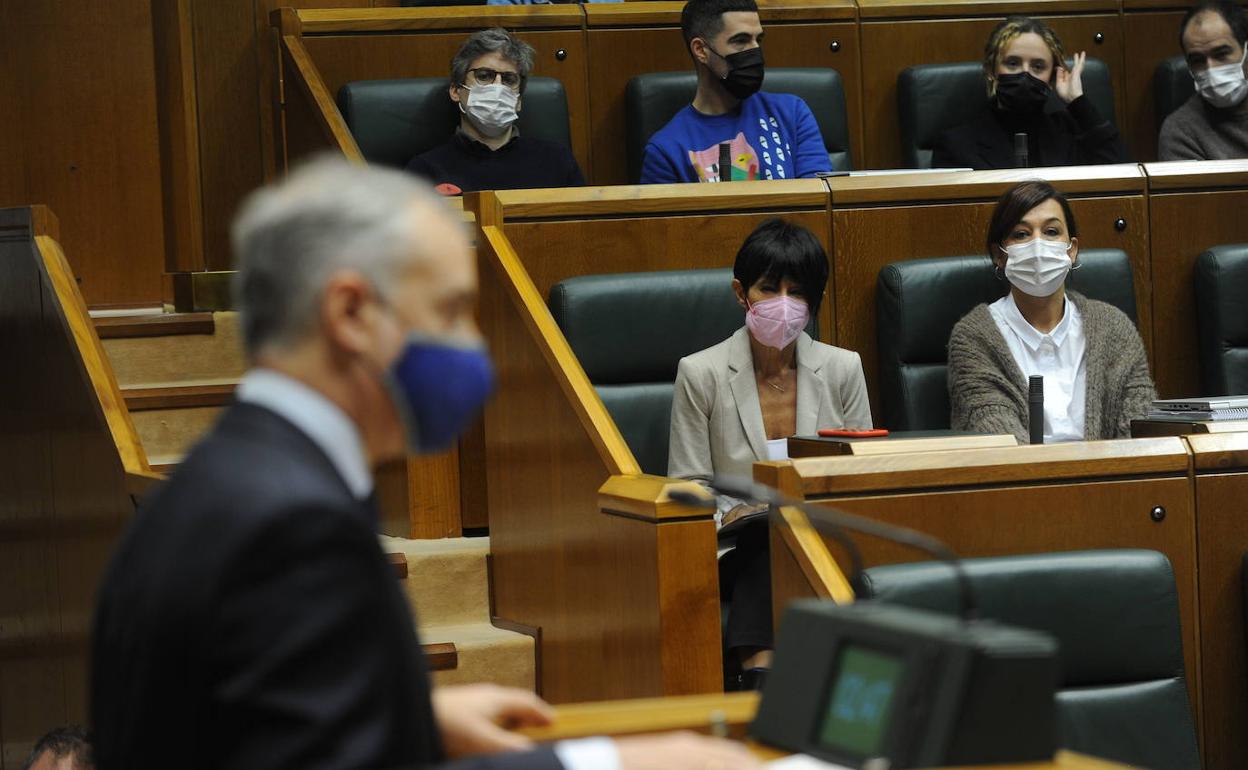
(996, 270)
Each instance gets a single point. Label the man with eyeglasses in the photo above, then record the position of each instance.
(732, 131)
(487, 152)
(1213, 123)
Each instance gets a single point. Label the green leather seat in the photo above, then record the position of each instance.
(919, 301)
(630, 330)
(1115, 613)
(1172, 86)
(395, 120)
(651, 100)
(1222, 319)
(932, 98)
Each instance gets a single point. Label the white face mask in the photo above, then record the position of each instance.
(1037, 267)
(1223, 86)
(491, 109)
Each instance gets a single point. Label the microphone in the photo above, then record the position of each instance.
(832, 522)
(1035, 408)
(1020, 150)
(725, 162)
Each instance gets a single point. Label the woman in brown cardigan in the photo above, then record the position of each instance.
(1095, 373)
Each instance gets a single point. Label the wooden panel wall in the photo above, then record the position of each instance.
(1149, 38)
(1189, 213)
(62, 501)
(80, 134)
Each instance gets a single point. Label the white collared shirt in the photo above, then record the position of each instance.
(1059, 356)
(320, 419)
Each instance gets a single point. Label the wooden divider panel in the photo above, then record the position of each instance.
(1150, 30)
(631, 39)
(63, 494)
(897, 34)
(370, 44)
(1192, 206)
(878, 220)
(1222, 514)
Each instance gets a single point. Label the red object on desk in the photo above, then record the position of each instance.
(841, 433)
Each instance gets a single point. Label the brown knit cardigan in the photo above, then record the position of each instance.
(988, 392)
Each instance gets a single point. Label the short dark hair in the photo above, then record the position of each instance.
(705, 18)
(1014, 205)
(492, 40)
(1231, 13)
(68, 741)
(777, 250)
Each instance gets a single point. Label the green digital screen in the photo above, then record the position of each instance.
(863, 686)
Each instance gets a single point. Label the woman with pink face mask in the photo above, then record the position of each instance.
(1091, 357)
(737, 402)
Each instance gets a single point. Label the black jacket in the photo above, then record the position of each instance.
(1072, 134)
(524, 162)
(249, 619)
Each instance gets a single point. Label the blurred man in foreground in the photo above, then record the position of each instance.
(249, 618)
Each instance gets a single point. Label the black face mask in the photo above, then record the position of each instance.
(1020, 93)
(745, 72)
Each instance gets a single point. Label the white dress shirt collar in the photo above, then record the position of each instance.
(320, 419)
(1029, 335)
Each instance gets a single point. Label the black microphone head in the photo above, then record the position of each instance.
(1035, 386)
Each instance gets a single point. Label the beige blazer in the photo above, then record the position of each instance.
(717, 424)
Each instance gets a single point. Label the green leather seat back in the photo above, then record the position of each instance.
(652, 99)
(630, 330)
(395, 120)
(1172, 86)
(1222, 319)
(932, 98)
(1123, 695)
(919, 301)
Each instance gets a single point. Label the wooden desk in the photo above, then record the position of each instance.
(1192, 206)
(1017, 500)
(1221, 468)
(632, 717)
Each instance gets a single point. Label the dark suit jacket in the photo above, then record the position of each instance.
(1072, 134)
(250, 620)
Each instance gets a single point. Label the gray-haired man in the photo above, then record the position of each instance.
(249, 618)
(488, 77)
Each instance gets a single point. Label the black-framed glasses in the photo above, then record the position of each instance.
(484, 76)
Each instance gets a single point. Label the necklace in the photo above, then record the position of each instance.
(774, 386)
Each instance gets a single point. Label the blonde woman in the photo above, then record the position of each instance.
(1031, 91)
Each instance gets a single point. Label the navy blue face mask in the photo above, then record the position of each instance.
(439, 385)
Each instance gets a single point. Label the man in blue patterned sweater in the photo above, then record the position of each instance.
(753, 134)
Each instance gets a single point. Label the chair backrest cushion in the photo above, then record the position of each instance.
(1172, 86)
(919, 301)
(1222, 319)
(932, 98)
(629, 332)
(652, 99)
(396, 120)
(1123, 695)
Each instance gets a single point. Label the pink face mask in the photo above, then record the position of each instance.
(778, 321)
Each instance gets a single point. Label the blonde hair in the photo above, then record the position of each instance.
(1005, 33)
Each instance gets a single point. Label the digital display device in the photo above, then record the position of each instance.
(864, 682)
(861, 700)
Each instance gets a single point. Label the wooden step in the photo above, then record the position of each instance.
(179, 396)
(162, 325)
